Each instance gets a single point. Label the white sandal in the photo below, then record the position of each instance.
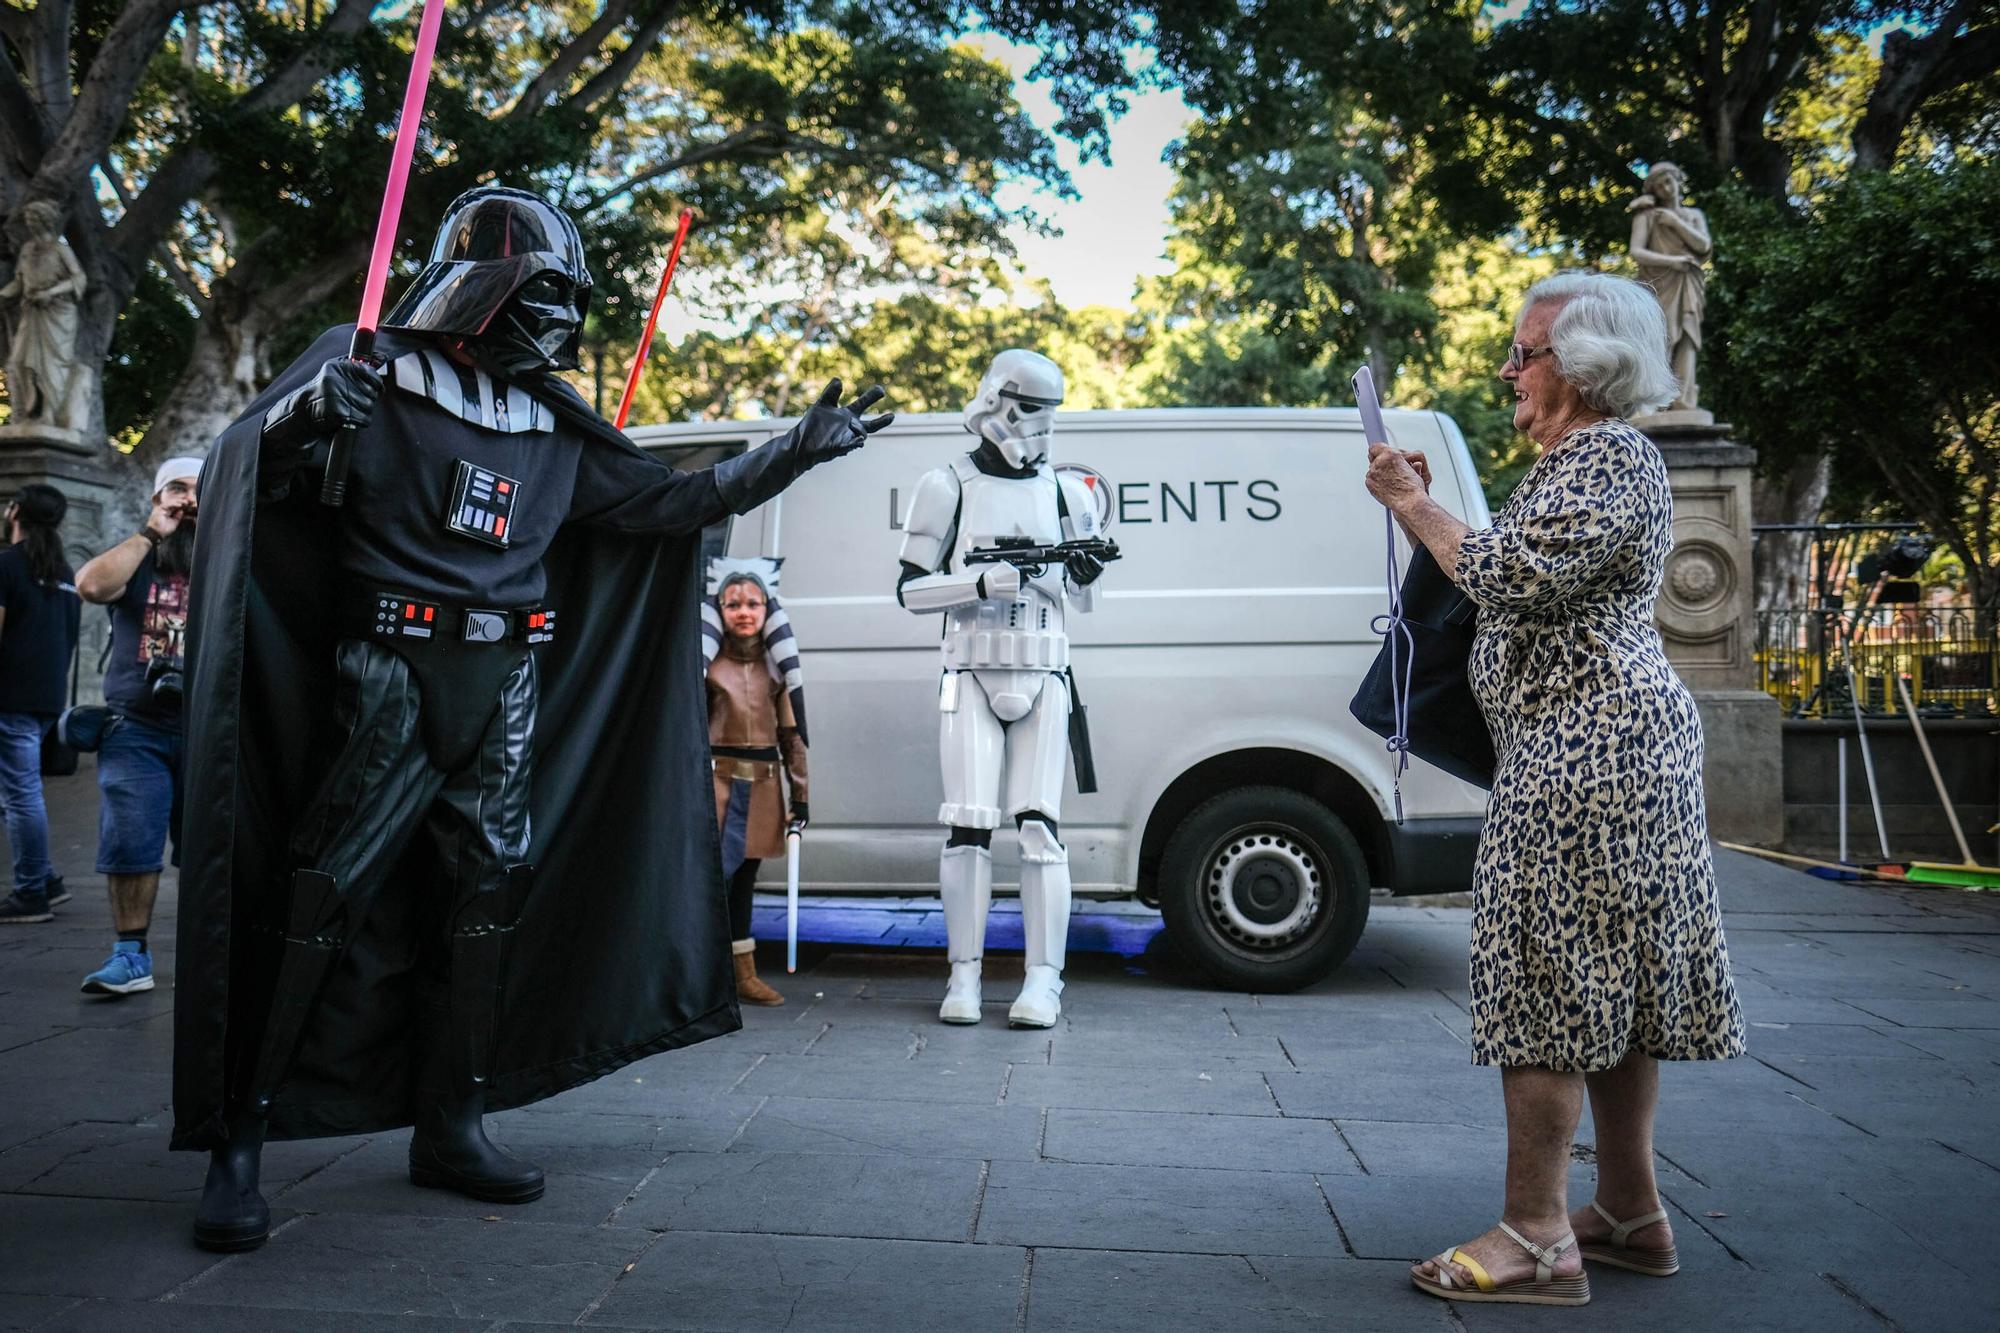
(1545, 1288)
(1620, 1254)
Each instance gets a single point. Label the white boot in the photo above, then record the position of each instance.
(965, 883)
(1044, 926)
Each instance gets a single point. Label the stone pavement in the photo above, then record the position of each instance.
(1171, 1157)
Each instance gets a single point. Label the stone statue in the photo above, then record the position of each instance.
(1669, 244)
(41, 308)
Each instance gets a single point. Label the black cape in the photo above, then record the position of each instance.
(623, 948)
(1446, 727)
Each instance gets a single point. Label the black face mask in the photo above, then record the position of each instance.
(537, 329)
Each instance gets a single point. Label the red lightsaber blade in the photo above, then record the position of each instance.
(333, 491)
(652, 319)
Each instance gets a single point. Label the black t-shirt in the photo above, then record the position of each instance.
(148, 622)
(36, 638)
(393, 533)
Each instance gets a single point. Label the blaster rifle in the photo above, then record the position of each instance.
(1032, 557)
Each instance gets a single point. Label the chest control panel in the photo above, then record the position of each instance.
(482, 503)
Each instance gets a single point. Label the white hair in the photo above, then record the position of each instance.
(1610, 340)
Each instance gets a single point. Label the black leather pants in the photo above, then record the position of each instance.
(384, 786)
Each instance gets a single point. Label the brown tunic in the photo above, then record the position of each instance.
(747, 709)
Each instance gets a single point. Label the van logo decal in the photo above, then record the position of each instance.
(1093, 481)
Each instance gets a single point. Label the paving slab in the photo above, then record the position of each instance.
(964, 1081)
(847, 1162)
(1141, 1293)
(386, 1265)
(1231, 1142)
(1226, 1090)
(180, 1317)
(748, 1284)
(592, 1163)
(135, 1250)
(846, 1126)
(1187, 1209)
(104, 1160)
(811, 1194)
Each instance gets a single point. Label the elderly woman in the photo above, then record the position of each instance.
(755, 730)
(1597, 946)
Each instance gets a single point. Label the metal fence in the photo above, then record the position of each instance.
(1949, 654)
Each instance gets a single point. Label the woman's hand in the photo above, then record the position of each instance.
(1396, 478)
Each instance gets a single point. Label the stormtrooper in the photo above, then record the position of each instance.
(1001, 545)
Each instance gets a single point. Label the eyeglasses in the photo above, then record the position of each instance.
(1520, 354)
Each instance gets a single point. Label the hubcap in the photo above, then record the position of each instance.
(1264, 888)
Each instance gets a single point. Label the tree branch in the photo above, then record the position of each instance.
(297, 76)
(743, 142)
(557, 74)
(607, 81)
(100, 107)
(1916, 69)
(189, 167)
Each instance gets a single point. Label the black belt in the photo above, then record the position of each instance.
(380, 614)
(760, 753)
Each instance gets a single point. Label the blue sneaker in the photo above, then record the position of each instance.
(128, 969)
(56, 890)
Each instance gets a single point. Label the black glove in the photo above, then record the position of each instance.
(344, 394)
(1084, 568)
(827, 430)
(797, 822)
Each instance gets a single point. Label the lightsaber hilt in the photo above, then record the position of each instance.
(333, 490)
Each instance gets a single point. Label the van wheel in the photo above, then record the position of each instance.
(1264, 889)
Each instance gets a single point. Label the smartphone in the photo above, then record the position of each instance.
(1371, 407)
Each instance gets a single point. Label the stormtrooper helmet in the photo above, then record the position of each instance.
(1014, 410)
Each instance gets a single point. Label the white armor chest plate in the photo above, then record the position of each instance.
(1027, 633)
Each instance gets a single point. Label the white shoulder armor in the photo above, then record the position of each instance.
(930, 526)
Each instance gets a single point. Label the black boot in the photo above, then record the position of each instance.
(233, 1215)
(449, 1149)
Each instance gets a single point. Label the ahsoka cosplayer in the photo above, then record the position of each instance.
(511, 589)
(756, 727)
(1000, 544)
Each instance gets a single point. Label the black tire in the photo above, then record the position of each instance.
(1264, 889)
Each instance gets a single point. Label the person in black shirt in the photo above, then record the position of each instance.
(144, 582)
(509, 586)
(38, 628)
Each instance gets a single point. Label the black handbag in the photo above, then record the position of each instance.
(1446, 727)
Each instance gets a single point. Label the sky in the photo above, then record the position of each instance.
(1115, 233)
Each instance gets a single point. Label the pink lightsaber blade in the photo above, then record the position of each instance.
(333, 491)
(652, 320)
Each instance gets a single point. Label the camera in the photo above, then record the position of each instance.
(164, 678)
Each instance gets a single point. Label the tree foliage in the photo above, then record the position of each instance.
(1866, 333)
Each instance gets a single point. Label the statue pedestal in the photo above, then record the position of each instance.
(1707, 620)
(30, 452)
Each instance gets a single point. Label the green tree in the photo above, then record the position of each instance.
(1864, 333)
(218, 164)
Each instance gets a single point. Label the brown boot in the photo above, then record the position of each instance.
(748, 988)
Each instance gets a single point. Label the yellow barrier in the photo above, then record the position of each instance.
(1950, 655)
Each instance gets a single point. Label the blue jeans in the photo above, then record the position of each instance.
(21, 797)
(139, 778)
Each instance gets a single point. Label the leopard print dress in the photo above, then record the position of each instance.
(1595, 926)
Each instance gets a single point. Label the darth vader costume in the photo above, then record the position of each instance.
(449, 842)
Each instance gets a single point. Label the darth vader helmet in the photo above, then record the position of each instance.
(507, 275)
(1015, 408)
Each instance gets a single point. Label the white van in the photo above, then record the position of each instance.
(1235, 791)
